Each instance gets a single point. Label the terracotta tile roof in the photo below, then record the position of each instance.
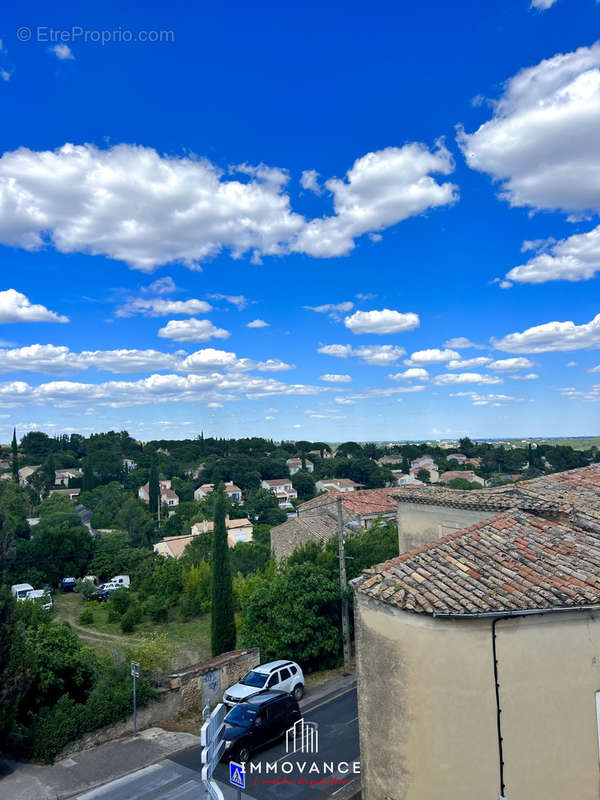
(366, 502)
(514, 561)
(339, 482)
(453, 474)
(320, 527)
(278, 481)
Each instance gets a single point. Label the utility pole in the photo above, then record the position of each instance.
(343, 585)
(135, 673)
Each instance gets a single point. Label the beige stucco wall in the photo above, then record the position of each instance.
(420, 524)
(427, 711)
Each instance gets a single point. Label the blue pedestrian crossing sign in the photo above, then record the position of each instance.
(237, 775)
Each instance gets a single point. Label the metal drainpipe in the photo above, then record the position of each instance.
(498, 709)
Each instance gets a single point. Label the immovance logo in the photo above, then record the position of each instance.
(302, 737)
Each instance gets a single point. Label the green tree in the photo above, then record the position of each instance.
(15, 457)
(88, 482)
(153, 489)
(9, 682)
(136, 521)
(423, 475)
(49, 472)
(223, 631)
(37, 446)
(295, 615)
(304, 483)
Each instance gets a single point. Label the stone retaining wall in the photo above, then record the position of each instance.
(178, 691)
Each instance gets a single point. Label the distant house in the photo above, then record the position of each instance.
(392, 459)
(317, 453)
(282, 488)
(129, 464)
(4, 465)
(403, 479)
(63, 476)
(195, 472)
(337, 485)
(295, 464)
(460, 458)
(72, 494)
(425, 462)
(231, 490)
(317, 519)
(167, 496)
(25, 474)
(466, 475)
(238, 530)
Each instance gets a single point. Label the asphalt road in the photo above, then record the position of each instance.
(178, 777)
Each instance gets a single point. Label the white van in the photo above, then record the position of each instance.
(42, 597)
(21, 590)
(120, 581)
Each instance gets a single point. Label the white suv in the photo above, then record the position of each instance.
(283, 675)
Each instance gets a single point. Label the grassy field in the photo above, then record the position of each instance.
(192, 639)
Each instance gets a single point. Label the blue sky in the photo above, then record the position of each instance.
(426, 176)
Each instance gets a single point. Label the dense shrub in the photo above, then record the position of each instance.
(111, 700)
(86, 617)
(157, 609)
(120, 601)
(131, 617)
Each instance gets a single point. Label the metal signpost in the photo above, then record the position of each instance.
(213, 747)
(135, 673)
(237, 777)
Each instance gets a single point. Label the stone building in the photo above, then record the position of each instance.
(317, 519)
(478, 653)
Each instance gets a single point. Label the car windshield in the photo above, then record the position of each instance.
(241, 715)
(255, 679)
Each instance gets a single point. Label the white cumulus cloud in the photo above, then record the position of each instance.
(542, 142)
(432, 356)
(63, 52)
(379, 355)
(382, 322)
(192, 330)
(460, 342)
(257, 323)
(505, 364)
(309, 180)
(16, 307)
(552, 336)
(335, 378)
(410, 374)
(468, 363)
(380, 190)
(158, 307)
(576, 258)
(465, 377)
(131, 204)
(542, 145)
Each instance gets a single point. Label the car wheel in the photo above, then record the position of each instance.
(243, 753)
(298, 692)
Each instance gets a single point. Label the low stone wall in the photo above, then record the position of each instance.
(196, 685)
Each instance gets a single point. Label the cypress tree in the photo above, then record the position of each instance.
(15, 457)
(153, 489)
(87, 483)
(49, 472)
(223, 631)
